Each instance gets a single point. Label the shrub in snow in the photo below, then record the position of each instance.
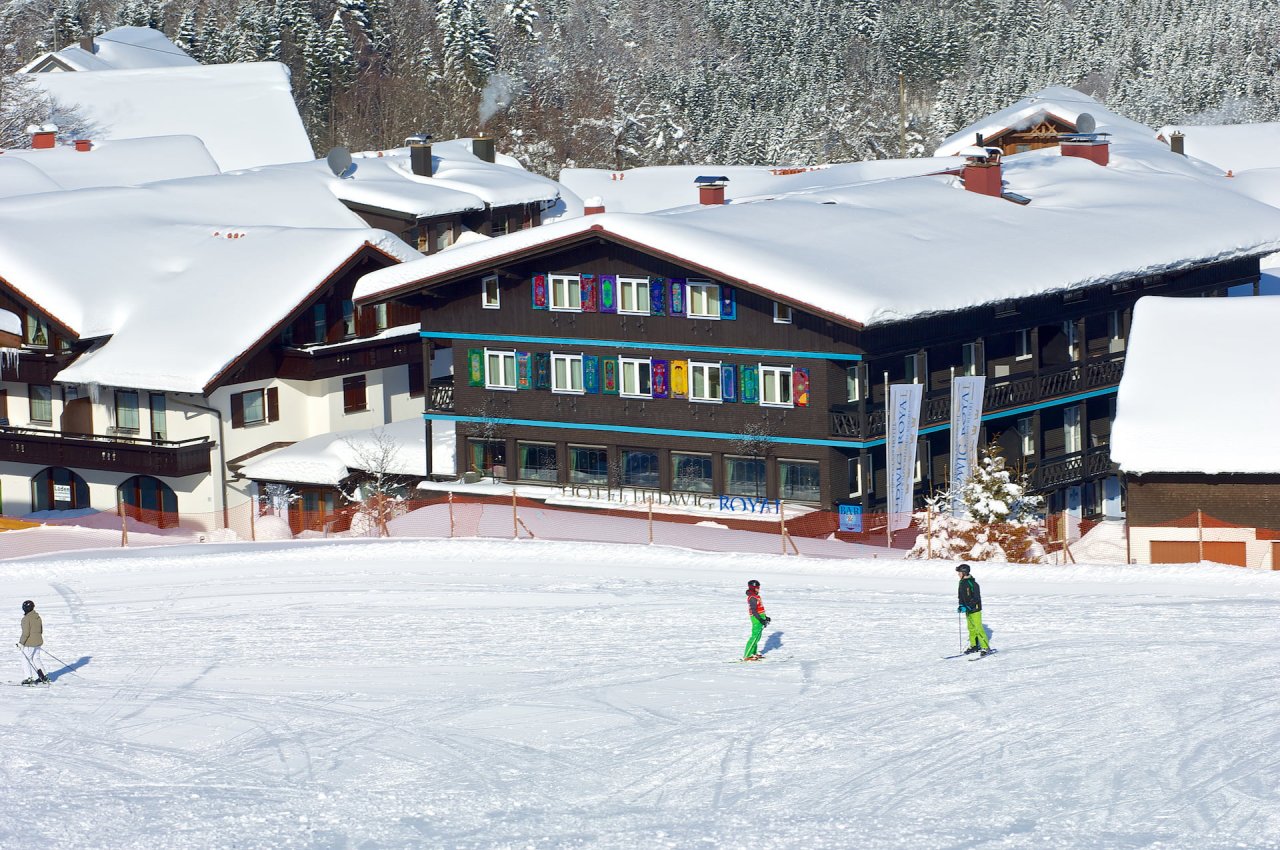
(999, 519)
(272, 528)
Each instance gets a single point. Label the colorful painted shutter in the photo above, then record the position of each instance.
(609, 375)
(475, 367)
(608, 293)
(679, 378)
(749, 384)
(590, 294)
(524, 370)
(677, 296)
(728, 382)
(591, 373)
(661, 379)
(800, 390)
(539, 289)
(542, 371)
(657, 294)
(728, 303)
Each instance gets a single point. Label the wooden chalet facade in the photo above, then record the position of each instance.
(1043, 132)
(593, 360)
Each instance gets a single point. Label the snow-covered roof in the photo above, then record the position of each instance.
(182, 275)
(1230, 147)
(883, 251)
(126, 162)
(244, 112)
(1158, 427)
(327, 459)
(20, 177)
(120, 48)
(1059, 102)
(642, 190)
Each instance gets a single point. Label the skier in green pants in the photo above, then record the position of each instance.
(755, 609)
(971, 607)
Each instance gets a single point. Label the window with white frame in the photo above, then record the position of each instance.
(499, 369)
(1071, 332)
(855, 477)
(490, 296)
(637, 378)
(971, 355)
(704, 381)
(1027, 435)
(782, 313)
(703, 301)
(1071, 433)
(633, 295)
(566, 373)
(566, 292)
(775, 386)
(853, 383)
(1022, 344)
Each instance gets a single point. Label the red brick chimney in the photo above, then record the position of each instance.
(711, 190)
(1093, 148)
(43, 136)
(982, 172)
(83, 145)
(593, 205)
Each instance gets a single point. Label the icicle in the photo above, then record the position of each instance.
(9, 359)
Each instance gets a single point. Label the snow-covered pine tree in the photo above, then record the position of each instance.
(467, 43)
(523, 17)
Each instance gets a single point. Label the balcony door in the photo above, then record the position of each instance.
(77, 416)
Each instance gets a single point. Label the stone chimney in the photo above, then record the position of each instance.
(982, 171)
(593, 205)
(43, 136)
(711, 190)
(1094, 147)
(420, 154)
(482, 146)
(1177, 143)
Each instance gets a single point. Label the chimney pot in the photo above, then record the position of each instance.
(711, 190)
(1096, 149)
(483, 148)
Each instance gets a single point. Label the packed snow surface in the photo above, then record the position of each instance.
(463, 694)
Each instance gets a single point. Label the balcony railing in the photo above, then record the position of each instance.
(441, 396)
(1072, 468)
(110, 452)
(1001, 394)
(311, 364)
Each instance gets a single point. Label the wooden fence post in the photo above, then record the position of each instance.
(928, 533)
(1200, 532)
(782, 526)
(650, 519)
(253, 510)
(451, 514)
(124, 520)
(515, 517)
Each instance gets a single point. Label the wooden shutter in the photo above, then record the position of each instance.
(273, 404)
(237, 410)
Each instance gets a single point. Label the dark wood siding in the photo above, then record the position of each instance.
(1244, 500)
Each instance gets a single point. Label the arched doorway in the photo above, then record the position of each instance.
(151, 501)
(58, 489)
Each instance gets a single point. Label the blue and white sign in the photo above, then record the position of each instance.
(851, 518)
(903, 429)
(966, 422)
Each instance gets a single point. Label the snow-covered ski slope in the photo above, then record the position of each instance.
(464, 694)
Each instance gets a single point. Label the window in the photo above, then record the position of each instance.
(633, 295)
(354, 394)
(566, 292)
(490, 296)
(588, 465)
(744, 476)
(782, 313)
(1071, 429)
(566, 373)
(704, 300)
(319, 323)
(37, 332)
(1022, 344)
(971, 355)
(1069, 330)
(640, 468)
(488, 457)
(775, 386)
(348, 319)
(853, 383)
(1027, 435)
(704, 381)
(500, 370)
(41, 403)
(1115, 331)
(254, 407)
(691, 473)
(444, 235)
(538, 462)
(159, 421)
(126, 410)
(380, 317)
(855, 477)
(799, 480)
(636, 378)
(58, 489)
(913, 368)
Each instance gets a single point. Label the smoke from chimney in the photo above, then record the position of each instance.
(498, 93)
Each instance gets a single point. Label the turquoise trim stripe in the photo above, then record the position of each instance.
(724, 435)
(613, 343)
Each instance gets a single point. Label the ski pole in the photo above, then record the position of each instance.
(960, 628)
(64, 664)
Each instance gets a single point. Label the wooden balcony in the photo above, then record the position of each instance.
(1072, 468)
(328, 361)
(1001, 394)
(440, 396)
(111, 453)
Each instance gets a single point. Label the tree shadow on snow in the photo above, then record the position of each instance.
(69, 668)
(774, 641)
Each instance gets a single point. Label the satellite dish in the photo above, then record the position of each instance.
(1085, 123)
(347, 172)
(339, 160)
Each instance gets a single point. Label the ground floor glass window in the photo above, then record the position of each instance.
(488, 457)
(691, 473)
(58, 489)
(538, 462)
(640, 469)
(744, 476)
(588, 465)
(799, 480)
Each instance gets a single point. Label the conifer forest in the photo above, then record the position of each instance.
(621, 83)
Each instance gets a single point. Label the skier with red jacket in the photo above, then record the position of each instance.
(755, 610)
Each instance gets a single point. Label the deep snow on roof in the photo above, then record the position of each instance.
(121, 48)
(183, 275)
(244, 112)
(1231, 147)
(1159, 425)
(326, 459)
(879, 252)
(125, 162)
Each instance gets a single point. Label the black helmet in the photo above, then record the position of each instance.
(753, 583)
(963, 568)
(28, 607)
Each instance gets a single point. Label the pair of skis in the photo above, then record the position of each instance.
(972, 656)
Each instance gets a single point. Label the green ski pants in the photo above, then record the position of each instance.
(757, 628)
(977, 634)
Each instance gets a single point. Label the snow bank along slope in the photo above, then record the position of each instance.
(1157, 429)
(326, 459)
(480, 695)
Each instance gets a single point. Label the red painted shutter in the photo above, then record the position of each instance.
(273, 404)
(237, 410)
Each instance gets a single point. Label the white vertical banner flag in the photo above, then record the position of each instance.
(902, 429)
(966, 422)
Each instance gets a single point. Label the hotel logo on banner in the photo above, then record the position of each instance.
(902, 430)
(966, 422)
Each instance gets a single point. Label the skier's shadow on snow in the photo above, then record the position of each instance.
(774, 641)
(70, 668)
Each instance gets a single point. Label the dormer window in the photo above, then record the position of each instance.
(781, 313)
(37, 332)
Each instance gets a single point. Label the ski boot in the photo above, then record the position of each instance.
(972, 650)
